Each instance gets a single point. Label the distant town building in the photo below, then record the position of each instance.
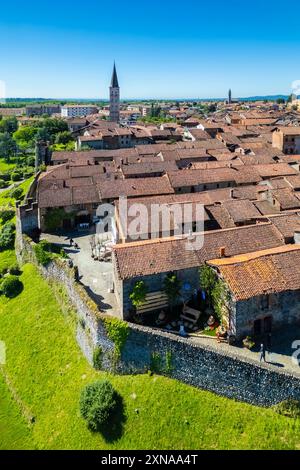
(78, 110)
(40, 109)
(114, 97)
(287, 139)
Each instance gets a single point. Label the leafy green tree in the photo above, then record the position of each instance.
(280, 101)
(25, 134)
(172, 287)
(43, 135)
(63, 137)
(138, 294)
(9, 125)
(8, 146)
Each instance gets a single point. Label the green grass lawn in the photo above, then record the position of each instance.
(48, 371)
(14, 431)
(4, 166)
(7, 259)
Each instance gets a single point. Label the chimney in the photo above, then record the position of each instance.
(222, 252)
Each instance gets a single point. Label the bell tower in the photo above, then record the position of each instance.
(114, 97)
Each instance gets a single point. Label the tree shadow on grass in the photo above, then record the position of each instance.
(114, 428)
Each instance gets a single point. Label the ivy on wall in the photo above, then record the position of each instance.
(117, 331)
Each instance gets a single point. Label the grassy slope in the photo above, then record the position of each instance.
(14, 431)
(48, 371)
(4, 166)
(7, 259)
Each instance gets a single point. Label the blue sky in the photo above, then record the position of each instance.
(163, 49)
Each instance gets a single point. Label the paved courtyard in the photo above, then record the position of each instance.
(96, 276)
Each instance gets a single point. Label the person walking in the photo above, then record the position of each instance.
(71, 241)
(262, 353)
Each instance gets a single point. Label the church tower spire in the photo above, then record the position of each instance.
(114, 97)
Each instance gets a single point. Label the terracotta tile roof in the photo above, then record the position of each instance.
(241, 210)
(265, 207)
(134, 187)
(250, 192)
(287, 224)
(199, 134)
(289, 130)
(164, 255)
(184, 178)
(275, 169)
(220, 215)
(148, 168)
(286, 198)
(293, 181)
(272, 271)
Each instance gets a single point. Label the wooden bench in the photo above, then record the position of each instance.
(154, 301)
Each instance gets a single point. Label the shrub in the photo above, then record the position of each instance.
(289, 408)
(16, 175)
(16, 193)
(30, 161)
(98, 402)
(6, 215)
(11, 286)
(43, 252)
(248, 342)
(3, 183)
(14, 269)
(7, 236)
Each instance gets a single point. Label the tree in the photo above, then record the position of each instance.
(43, 135)
(8, 146)
(63, 137)
(172, 288)
(25, 136)
(208, 279)
(138, 294)
(280, 101)
(9, 125)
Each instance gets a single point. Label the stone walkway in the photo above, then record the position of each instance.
(281, 352)
(96, 276)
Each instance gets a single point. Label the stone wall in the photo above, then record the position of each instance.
(208, 367)
(202, 366)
